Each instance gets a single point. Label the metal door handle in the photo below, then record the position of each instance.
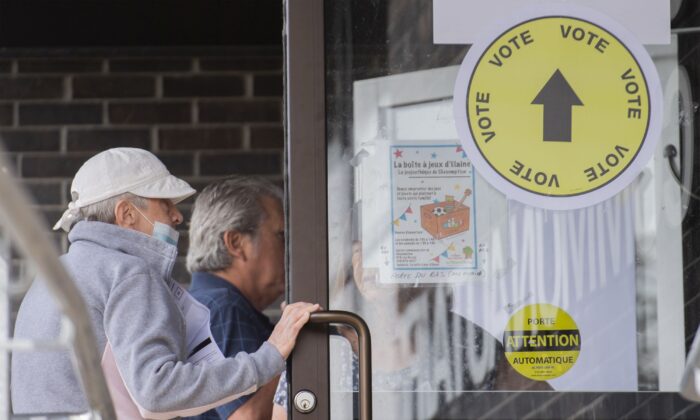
(684, 174)
(365, 350)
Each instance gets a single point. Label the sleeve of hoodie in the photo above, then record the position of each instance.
(146, 331)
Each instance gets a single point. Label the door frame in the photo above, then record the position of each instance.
(306, 199)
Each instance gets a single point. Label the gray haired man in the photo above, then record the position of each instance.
(236, 257)
(158, 360)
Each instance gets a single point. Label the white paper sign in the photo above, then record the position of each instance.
(201, 346)
(583, 262)
(462, 21)
(433, 209)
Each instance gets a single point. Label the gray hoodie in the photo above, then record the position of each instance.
(122, 276)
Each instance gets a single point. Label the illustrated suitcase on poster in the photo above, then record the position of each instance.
(445, 218)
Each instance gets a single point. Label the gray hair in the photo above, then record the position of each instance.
(231, 204)
(103, 211)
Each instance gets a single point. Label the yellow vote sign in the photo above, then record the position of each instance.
(542, 342)
(558, 108)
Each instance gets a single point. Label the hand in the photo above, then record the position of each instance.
(294, 316)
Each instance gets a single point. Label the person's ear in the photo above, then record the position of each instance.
(237, 244)
(124, 215)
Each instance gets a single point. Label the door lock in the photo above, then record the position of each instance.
(305, 401)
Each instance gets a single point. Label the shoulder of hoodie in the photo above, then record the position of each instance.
(81, 256)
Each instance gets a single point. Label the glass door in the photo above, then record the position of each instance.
(478, 306)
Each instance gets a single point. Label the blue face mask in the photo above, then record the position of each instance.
(165, 233)
(161, 231)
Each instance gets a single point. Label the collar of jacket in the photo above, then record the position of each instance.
(159, 255)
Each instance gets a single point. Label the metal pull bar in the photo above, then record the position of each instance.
(365, 350)
(683, 174)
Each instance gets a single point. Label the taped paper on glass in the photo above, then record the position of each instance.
(574, 267)
(422, 225)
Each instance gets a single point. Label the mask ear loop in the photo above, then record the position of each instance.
(144, 216)
(153, 233)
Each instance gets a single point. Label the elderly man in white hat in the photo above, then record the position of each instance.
(158, 355)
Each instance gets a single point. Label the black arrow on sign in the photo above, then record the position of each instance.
(557, 98)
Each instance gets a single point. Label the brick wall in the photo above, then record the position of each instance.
(206, 113)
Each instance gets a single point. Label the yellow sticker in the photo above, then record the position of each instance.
(542, 342)
(558, 107)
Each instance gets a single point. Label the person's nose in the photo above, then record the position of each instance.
(176, 216)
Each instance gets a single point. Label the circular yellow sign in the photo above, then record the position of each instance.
(542, 342)
(557, 106)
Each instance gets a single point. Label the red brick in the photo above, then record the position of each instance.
(241, 63)
(241, 111)
(267, 137)
(58, 65)
(59, 113)
(53, 166)
(223, 164)
(6, 115)
(200, 138)
(30, 140)
(114, 86)
(5, 66)
(97, 139)
(267, 85)
(162, 64)
(150, 112)
(178, 164)
(47, 193)
(202, 86)
(31, 87)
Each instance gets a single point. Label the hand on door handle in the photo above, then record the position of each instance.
(294, 317)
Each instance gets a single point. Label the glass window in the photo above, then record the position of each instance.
(464, 290)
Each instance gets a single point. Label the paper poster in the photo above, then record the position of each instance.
(426, 215)
(201, 346)
(581, 262)
(463, 21)
(433, 212)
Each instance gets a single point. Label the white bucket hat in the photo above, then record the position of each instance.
(117, 171)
